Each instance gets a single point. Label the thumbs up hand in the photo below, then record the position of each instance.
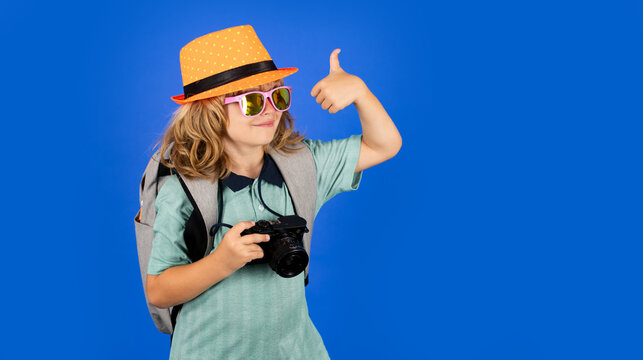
(339, 89)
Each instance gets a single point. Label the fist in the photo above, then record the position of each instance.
(339, 89)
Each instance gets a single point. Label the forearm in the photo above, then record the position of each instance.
(378, 130)
(180, 284)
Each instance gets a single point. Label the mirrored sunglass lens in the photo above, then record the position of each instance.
(281, 98)
(252, 104)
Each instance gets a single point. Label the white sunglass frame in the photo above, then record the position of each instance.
(267, 96)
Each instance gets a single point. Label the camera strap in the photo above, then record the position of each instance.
(215, 227)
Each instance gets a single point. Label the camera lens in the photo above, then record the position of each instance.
(289, 258)
(292, 263)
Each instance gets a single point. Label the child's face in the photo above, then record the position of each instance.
(243, 130)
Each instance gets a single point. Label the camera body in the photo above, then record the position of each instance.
(285, 250)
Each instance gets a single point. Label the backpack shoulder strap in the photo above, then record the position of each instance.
(300, 174)
(203, 195)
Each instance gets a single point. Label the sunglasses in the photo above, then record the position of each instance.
(254, 102)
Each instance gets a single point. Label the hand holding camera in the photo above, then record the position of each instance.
(236, 250)
(285, 251)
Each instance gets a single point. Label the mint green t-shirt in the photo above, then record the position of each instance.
(254, 313)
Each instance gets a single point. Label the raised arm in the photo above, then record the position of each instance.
(380, 138)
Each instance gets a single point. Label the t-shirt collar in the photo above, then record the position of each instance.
(269, 172)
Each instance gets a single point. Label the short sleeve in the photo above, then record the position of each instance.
(173, 209)
(335, 161)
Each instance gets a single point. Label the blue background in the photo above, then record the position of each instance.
(508, 226)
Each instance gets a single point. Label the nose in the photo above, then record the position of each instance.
(269, 108)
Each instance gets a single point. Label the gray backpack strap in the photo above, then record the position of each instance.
(204, 193)
(300, 174)
(151, 183)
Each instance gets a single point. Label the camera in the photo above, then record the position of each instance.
(285, 250)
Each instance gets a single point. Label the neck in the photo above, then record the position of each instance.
(245, 161)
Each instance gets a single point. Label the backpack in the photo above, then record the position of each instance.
(298, 171)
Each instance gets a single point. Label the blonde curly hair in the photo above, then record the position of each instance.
(196, 131)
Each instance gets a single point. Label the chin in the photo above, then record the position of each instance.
(265, 141)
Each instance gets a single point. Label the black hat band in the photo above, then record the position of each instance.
(226, 77)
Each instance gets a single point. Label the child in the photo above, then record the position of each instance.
(233, 311)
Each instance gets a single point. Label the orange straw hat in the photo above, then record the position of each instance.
(225, 61)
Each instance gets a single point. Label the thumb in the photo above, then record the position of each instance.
(334, 61)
